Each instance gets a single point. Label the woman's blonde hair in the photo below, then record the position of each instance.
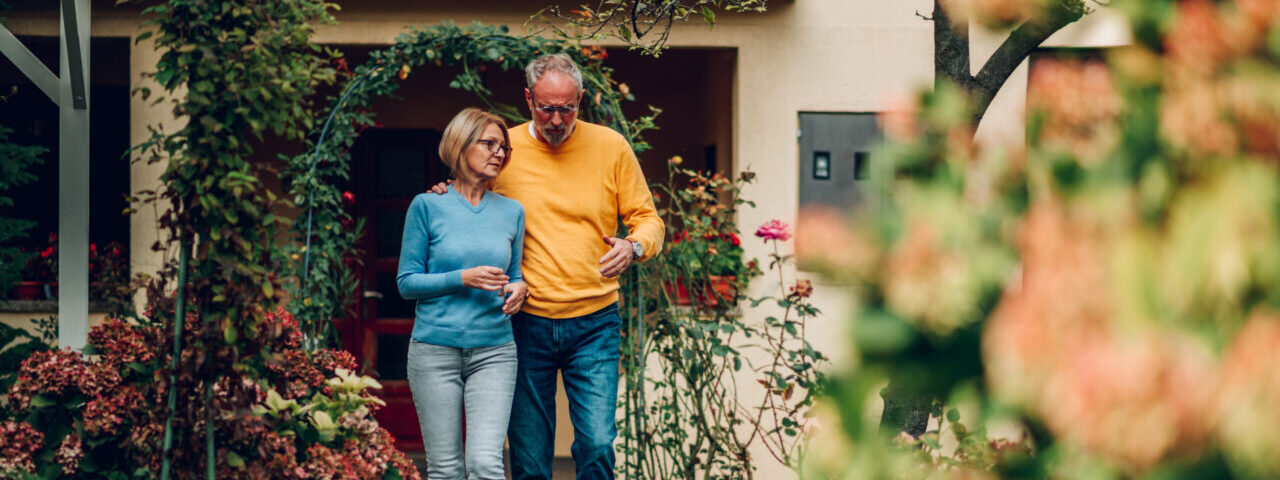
(465, 128)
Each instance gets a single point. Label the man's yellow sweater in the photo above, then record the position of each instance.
(573, 195)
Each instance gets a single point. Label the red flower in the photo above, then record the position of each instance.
(731, 238)
(348, 197)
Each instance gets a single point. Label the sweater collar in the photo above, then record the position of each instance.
(484, 200)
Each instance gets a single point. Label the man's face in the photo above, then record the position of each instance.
(554, 106)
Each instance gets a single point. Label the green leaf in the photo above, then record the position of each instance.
(234, 460)
(953, 415)
(41, 401)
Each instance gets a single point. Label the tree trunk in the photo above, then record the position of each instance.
(950, 48)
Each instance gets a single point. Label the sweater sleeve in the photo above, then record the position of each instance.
(413, 280)
(514, 274)
(635, 205)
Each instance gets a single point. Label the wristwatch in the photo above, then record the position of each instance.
(637, 250)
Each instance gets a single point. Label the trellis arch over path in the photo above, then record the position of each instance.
(324, 231)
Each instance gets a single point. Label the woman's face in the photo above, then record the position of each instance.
(485, 157)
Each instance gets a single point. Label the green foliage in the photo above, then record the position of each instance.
(14, 171)
(244, 69)
(314, 177)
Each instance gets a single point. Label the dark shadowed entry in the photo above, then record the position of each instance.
(390, 167)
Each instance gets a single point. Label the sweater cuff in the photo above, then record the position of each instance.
(453, 280)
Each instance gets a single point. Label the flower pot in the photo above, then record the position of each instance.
(26, 290)
(717, 287)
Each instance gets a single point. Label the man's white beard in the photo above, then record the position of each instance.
(556, 139)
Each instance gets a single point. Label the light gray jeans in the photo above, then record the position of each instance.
(444, 381)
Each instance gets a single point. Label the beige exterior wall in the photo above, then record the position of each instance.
(800, 56)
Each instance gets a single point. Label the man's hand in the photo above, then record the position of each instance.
(516, 293)
(484, 278)
(618, 258)
(441, 188)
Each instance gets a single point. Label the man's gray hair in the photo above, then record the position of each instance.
(554, 62)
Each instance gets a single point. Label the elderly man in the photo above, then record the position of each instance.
(575, 180)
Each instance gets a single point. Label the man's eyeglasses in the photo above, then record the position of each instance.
(495, 146)
(563, 110)
(549, 110)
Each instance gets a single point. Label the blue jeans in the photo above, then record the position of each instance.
(585, 352)
(443, 380)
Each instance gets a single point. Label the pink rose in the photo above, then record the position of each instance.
(774, 230)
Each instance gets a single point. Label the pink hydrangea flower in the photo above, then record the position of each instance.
(774, 230)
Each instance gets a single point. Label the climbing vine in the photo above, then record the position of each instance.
(234, 70)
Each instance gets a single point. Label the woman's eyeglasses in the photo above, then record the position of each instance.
(495, 146)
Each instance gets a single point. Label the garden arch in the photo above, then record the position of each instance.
(326, 231)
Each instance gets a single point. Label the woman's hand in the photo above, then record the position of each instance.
(484, 278)
(516, 293)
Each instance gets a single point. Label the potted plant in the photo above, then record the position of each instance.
(704, 254)
(715, 262)
(40, 273)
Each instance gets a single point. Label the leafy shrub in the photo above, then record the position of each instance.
(102, 417)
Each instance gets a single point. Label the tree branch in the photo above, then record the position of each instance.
(1024, 39)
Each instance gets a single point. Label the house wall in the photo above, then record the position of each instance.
(807, 55)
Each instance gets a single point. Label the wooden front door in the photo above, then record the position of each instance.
(392, 166)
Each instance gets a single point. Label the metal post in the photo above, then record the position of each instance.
(73, 176)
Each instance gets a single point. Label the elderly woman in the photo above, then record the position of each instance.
(461, 261)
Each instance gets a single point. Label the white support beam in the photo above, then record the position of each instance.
(73, 176)
(29, 65)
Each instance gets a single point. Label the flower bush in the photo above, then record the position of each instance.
(700, 211)
(102, 416)
(688, 369)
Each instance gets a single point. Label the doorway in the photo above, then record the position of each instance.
(391, 166)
